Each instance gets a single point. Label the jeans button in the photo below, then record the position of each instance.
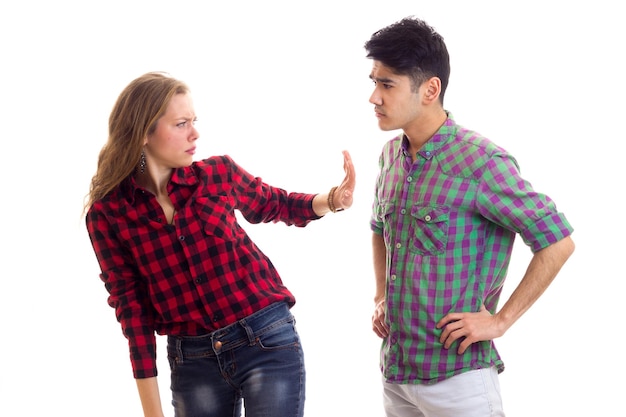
(217, 345)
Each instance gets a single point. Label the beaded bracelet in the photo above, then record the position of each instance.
(331, 203)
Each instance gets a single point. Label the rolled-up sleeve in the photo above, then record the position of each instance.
(507, 199)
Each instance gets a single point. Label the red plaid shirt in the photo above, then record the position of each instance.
(203, 272)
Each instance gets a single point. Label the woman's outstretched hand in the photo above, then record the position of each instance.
(339, 197)
(344, 193)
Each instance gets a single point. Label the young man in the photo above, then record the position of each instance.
(447, 208)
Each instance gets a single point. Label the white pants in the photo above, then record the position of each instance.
(470, 394)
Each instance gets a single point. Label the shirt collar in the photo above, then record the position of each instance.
(185, 176)
(435, 143)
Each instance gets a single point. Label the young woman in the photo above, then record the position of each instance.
(176, 262)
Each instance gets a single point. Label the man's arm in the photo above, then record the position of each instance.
(542, 269)
(379, 253)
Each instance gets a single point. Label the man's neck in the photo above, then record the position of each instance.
(424, 128)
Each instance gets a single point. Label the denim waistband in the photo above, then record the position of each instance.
(242, 332)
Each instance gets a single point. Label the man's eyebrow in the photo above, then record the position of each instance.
(382, 80)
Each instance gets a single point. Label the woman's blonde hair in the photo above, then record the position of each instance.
(133, 118)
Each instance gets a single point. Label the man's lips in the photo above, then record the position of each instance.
(191, 151)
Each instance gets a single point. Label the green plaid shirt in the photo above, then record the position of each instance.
(449, 221)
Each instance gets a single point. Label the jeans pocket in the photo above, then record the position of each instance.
(279, 337)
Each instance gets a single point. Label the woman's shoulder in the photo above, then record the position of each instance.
(210, 168)
(212, 162)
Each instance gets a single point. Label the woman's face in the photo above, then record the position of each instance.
(173, 143)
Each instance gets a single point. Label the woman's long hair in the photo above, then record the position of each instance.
(133, 118)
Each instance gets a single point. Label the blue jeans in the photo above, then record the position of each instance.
(257, 361)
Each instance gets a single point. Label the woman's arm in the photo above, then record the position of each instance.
(150, 398)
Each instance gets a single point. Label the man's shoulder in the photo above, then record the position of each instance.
(470, 141)
(468, 152)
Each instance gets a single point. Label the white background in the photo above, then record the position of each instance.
(283, 87)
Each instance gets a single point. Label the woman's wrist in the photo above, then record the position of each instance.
(331, 201)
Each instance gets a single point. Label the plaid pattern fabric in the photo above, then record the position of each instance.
(203, 272)
(449, 221)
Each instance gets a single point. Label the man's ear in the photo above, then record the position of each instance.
(432, 89)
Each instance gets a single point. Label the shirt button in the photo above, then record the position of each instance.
(181, 238)
(393, 277)
(428, 218)
(398, 245)
(217, 345)
(403, 211)
(427, 153)
(409, 179)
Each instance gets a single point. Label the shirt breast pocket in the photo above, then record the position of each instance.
(430, 234)
(217, 217)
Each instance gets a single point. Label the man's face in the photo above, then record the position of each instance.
(396, 105)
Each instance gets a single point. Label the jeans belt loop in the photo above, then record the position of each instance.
(249, 331)
(179, 350)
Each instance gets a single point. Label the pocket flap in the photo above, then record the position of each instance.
(430, 214)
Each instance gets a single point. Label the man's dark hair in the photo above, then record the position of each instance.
(412, 47)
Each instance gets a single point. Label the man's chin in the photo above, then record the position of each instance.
(385, 127)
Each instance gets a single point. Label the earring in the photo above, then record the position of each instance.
(142, 163)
